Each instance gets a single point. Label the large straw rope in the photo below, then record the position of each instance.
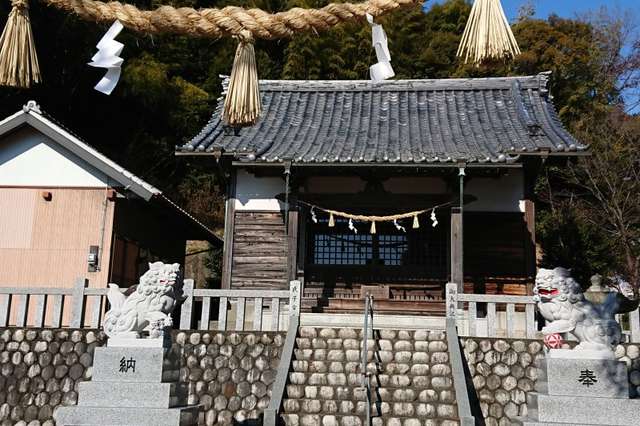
(228, 21)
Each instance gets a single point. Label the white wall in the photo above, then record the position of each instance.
(503, 194)
(29, 158)
(258, 193)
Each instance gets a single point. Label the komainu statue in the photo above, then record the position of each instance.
(148, 307)
(563, 304)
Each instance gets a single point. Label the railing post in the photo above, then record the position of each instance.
(295, 292)
(452, 300)
(366, 383)
(634, 322)
(77, 313)
(186, 310)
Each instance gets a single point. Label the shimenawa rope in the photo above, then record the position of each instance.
(228, 21)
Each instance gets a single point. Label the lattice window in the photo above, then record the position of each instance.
(425, 247)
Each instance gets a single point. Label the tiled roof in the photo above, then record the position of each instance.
(404, 121)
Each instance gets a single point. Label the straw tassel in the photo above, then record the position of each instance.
(242, 105)
(487, 34)
(416, 224)
(18, 60)
(332, 222)
(373, 227)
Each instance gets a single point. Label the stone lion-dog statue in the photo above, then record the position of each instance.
(562, 303)
(148, 307)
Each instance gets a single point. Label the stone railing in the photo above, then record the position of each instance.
(84, 307)
(76, 307)
(518, 318)
(630, 326)
(234, 302)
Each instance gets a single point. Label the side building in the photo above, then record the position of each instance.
(68, 212)
(471, 148)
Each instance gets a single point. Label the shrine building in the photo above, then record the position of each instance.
(464, 152)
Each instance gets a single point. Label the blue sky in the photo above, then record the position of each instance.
(568, 8)
(572, 9)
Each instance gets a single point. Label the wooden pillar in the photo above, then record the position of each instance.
(229, 225)
(456, 249)
(530, 242)
(292, 244)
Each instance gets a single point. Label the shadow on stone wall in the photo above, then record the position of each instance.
(230, 374)
(504, 371)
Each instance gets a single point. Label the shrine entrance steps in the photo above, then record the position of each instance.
(410, 374)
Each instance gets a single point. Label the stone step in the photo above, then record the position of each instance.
(378, 408)
(388, 394)
(117, 416)
(351, 420)
(410, 367)
(356, 333)
(137, 395)
(373, 344)
(352, 355)
(379, 380)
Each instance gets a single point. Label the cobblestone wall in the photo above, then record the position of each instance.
(41, 369)
(229, 374)
(504, 371)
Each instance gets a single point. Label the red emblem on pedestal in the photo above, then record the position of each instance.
(553, 341)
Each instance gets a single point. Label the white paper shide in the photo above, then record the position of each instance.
(108, 57)
(382, 70)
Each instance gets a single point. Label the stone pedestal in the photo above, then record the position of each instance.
(581, 388)
(131, 386)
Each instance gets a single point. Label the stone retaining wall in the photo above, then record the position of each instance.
(40, 370)
(230, 374)
(504, 371)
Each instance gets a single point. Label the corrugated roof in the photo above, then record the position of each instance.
(403, 121)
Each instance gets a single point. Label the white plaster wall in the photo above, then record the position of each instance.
(29, 158)
(503, 194)
(258, 193)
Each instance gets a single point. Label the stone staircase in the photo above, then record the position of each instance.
(411, 380)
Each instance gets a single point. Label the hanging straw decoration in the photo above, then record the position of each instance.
(487, 34)
(373, 227)
(18, 60)
(372, 219)
(242, 104)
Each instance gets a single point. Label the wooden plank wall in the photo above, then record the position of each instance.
(45, 243)
(259, 251)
